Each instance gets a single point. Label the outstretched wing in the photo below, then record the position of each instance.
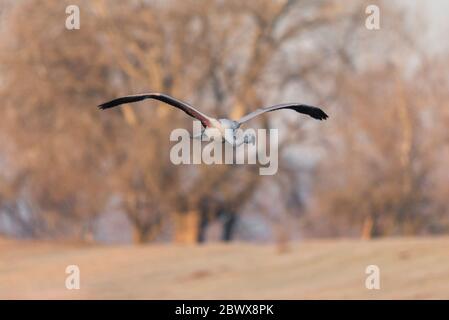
(314, 112)
(187, 108)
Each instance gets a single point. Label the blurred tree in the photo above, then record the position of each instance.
(74, 159)
(386, 149)
(71, 162)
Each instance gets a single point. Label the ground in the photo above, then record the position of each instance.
(410, 268)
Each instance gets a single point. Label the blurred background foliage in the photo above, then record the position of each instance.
(377, 167)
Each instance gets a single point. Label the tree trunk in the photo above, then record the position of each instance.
(140, 235)
(228, 226)
(87, 232)
(146, 233)
(202, 227)
(186, 227)
(369, 228)
(282, 238)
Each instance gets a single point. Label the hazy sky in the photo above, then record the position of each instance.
(433, 15)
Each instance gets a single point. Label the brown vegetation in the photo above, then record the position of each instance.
(63, 163)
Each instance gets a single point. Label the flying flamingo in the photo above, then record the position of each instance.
(224, 129)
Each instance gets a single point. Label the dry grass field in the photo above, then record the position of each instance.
(411, 268)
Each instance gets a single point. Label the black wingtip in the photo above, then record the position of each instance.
(104, 106)
(324, 116)
(320, 115)
(314, 112)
